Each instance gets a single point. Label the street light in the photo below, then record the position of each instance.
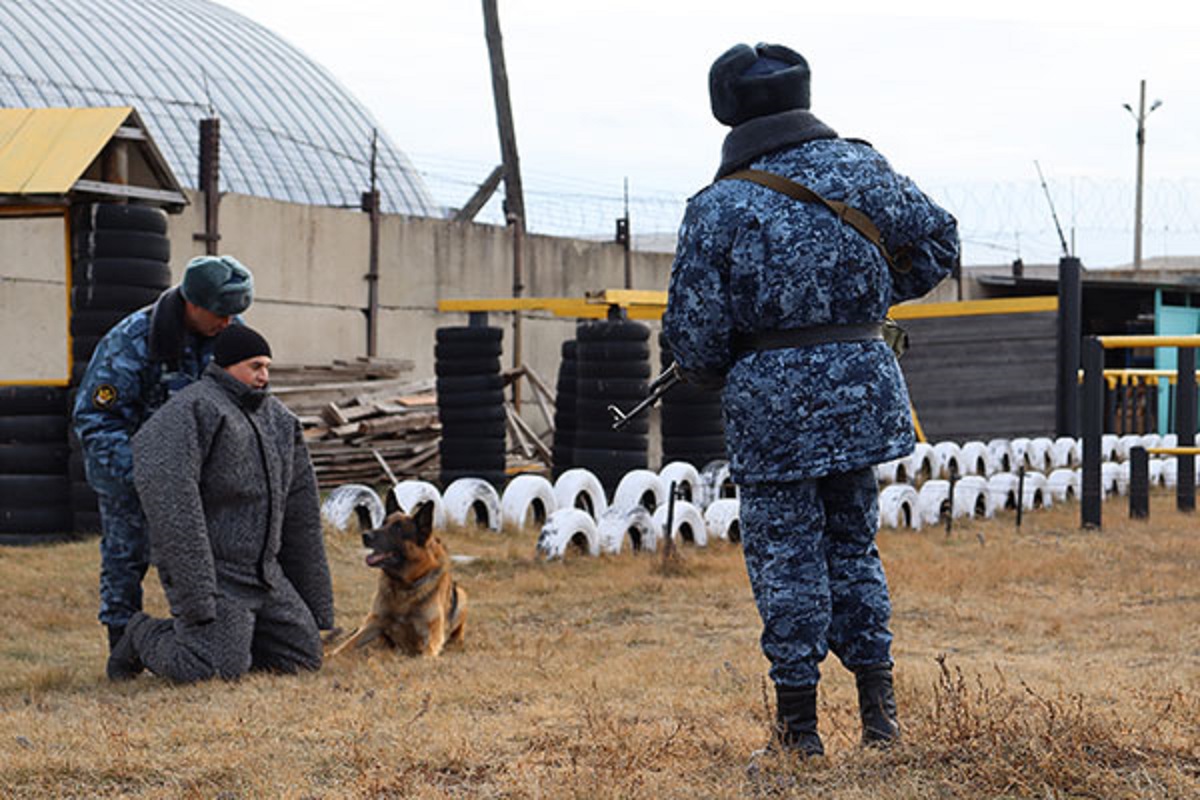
(1140, 118)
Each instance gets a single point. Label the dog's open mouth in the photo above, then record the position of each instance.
(375, 559)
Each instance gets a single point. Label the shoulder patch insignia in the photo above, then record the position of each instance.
(104, 396)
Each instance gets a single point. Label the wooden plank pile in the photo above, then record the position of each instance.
(363, 423)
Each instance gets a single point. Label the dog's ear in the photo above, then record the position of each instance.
(423, 517)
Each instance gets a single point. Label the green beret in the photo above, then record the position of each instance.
(220, 284)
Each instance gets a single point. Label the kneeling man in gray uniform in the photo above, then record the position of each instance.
(231, 506)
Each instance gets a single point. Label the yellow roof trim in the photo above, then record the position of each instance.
(45, 150)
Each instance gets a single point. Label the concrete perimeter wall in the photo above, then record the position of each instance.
(310, 265)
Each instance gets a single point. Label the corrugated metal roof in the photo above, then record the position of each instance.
(45, 150)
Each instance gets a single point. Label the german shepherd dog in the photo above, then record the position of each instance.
(418, 607)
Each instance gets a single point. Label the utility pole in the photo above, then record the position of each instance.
(514, 198)
(1140, 118)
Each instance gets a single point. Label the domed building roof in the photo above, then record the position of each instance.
(289, 130)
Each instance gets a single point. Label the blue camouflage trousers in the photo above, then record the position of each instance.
(816, 574)
(124, 556)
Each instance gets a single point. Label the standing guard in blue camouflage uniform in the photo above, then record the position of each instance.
(781, 302)
(136, 367)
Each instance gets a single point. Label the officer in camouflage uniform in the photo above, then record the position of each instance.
(136, 367)
(780, 301)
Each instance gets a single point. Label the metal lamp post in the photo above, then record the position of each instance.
(1140, 118)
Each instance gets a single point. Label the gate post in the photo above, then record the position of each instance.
(1092, 421)
(1185, 426)
(1139, 483)
(1070, 304)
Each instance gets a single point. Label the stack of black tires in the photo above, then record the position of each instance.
(470, 393)
(34, 489)
(692, 427)
(612, 368)
(120, 256)
(563, 452)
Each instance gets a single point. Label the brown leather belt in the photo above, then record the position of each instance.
(806, 337)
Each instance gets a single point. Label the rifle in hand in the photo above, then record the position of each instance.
(660, 386)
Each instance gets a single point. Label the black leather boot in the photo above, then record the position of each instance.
(877, 705)
(123, 662)
(796, 720)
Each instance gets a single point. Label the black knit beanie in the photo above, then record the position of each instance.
(746, 82)
(237, 343)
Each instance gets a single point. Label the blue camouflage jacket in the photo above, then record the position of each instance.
(136, 367)
(752, 260)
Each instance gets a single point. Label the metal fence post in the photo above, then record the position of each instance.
(1185, 427)
(1092, 423)
(1070, 305)
(1139, 483)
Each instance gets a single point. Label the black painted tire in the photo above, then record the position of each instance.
(21, 400)
(96, 323)
(471, 414)
(34, 459)
(449, 351)
(123, 271)
(46, 520)
(469, 383)
(123, 244)
(112, 297)
(495, 397)
(613, 330)
(120, 216)
(34, 491)
(468, 333)
(466, 429)
(33, 429)
(467, 366)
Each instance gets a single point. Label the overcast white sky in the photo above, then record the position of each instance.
(962, 100)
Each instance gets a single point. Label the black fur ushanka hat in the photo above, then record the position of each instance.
(746, 82)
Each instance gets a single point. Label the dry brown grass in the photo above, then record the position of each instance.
(1050, 662)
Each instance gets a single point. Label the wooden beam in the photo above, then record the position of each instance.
(481, 196)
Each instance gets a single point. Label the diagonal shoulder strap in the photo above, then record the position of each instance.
(846, 213)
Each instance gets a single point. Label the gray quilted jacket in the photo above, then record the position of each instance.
(230, 498)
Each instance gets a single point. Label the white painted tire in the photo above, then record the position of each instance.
(1064, 454)
(1110, 479)
(1156, 471)
(527, 500)
(1037, 494)
(971, 498)
(1063, 484)
(567, 528)
(1151, 440)
(1002, 491)
(922, 464)
(975, 459)
(687, 480)
(1169, 440)
(898, 507)
(933, 499)
(717, 483)
(1108, 447)
(894, 471)
(635, 525)
(353, 501)
(948, 457)
(721, 519)
(687, 524)
(472, 502)
(580, 488)
(1002, 456)
(1170, 472)
(407, 495)
(639, 487)
(1039, 455)
(1020, 452)
(1127, 443)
